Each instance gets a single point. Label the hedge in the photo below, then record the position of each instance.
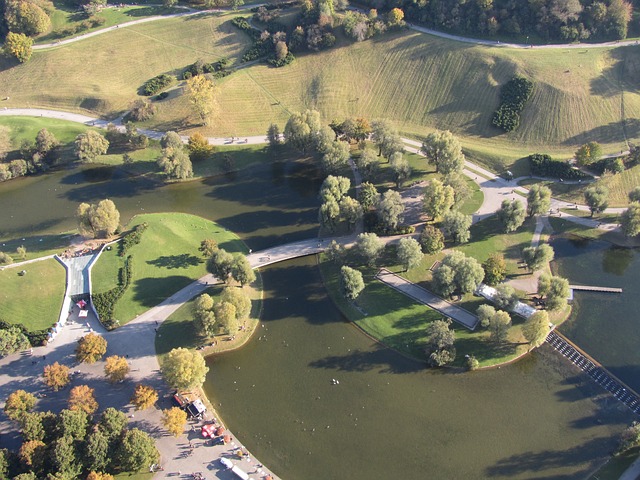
(105, 302)
(36, 337)
(543, 165)
(157, 83)
(513, 96)
(132, 238)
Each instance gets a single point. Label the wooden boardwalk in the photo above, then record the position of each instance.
(458, 314)
(597, 372)
(590, 288)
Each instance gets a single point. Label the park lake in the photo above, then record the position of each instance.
(389, 415)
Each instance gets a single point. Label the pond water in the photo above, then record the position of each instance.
(389, 417)
(605, 325)
(46, 204)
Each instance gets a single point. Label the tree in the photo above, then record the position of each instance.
(538, 200)
(73, 424)
(351, 282)
(26, 17)
(544, 284)
(456, 225)
(137, 450)
(89, 145)
(22, 252)
(18, 403)
(82, 398)
(505, 297)
(241, 270)
(588, 153)
(443, 150)
(91, 348)
(511, 215)
(141, 110)
(174, 420)
(395, 17)
(203, 316)
(400, 168)
(634, 195)
(97, 451)
(390, 209)
(301, 129)
(184, 369)
(18, 46)
(65, 457)
(336, 157)
(116, 368)
(431, 240)
(220, 264)
(537, 257)
(558, 293)
(368, 164)
(597, 197)
(334, 188)
(99, 220)
(13, 340)
(350, 210)
(208, 246)
(201, 93)
(536, 328)
(273, 135)
(386, 137)
(472, 363)
(368, 195)
(144, 397)
(630, 220)
(440, 348)
(495, 269)
(499, 327)
(175, 163)
(226, 316)
(46, 142)
(457, 272)
(485, 313)
(409, 253)
(630, 438)
(438, 199)
(369, 246)
(32, 453)
(460, 185)
(106, 476)
(171, 139)
(198, 146)
(329, 214)
(56, 376)
(239, 299)
(112, 423)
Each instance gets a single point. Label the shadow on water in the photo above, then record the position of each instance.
(376, 360)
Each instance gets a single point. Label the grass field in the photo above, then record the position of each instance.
(166, 260)
(418, 81)
(400, 323)
(34, 300)
(26, 129)
(37, 246)
(63, 16)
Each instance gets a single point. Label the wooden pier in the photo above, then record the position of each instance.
(590, 288)
(597, 372)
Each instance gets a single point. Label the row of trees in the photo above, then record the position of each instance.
(34, 157)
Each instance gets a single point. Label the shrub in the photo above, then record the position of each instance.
(157, 83)
(613, 165)
(513, 96)
(284, 61)
(543, 165)
(132, 238)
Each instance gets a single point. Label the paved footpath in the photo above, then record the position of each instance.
(460, 315)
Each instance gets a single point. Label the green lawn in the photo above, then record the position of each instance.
(34, 299)
(399, 322)
(418, 81)
(64, 16)
(166, 260)
(26, 129)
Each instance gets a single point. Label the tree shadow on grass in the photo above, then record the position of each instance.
(150, 292)
(175, 261)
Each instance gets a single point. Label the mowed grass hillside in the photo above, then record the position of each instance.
(418, 81)
(34, 299)
(166, 260)
(101, 75)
